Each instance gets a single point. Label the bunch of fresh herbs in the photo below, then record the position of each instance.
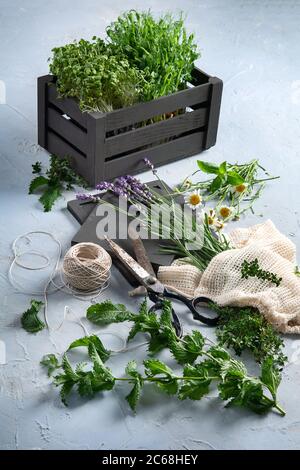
(100, 80)
(252, 269)
(235, 187)
(235, 386)
(160, 48)
(245, 329)
(58, 177)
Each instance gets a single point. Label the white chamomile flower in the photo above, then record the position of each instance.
(225, 212)
(193, 199)
(239, 189)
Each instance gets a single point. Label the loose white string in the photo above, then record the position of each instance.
(16, 261)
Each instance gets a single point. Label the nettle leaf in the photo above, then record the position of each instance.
(270, 376)
(107, 312)
(37, 183)
(157, 343)
(65, 391)
(131, 369)
(188, 349)
(155, 367)
(134, 396)
(197, 380)
(208, 167)
(30, 321)
(102, 377)
(166, 380)
(86, 341)
(51, 362)
(49, 197)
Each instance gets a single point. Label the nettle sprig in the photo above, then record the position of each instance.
(252, 269)
(57, 178)
(236, 387)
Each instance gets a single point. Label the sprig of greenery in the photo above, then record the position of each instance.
(238, 185)
(245, 329)
(234, 384)
(30, 320)
(252, 269)
(58, 177)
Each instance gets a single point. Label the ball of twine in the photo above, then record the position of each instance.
(86, 267)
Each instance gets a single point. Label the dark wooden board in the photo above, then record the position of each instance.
(86, 215)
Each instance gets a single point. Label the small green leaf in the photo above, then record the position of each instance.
(208, 167)
(51, 362)
(86, 341)
(154, 367)
(216, 184)
(65, 391)
(37, 183)
(270, 376)
(49, 197)
(234, 178)
(30, 321)
(223, 168)
(134, 396)
(197, 380)
(107, 312)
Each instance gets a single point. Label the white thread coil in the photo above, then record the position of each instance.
(86, 267)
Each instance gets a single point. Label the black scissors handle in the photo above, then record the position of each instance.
(194, 305)
(175, 320)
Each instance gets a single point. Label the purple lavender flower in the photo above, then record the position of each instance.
(104, 186)
(87, 197)
(148, 163)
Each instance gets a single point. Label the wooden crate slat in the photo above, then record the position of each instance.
(166, 104)
(67, 130)
(159, 155)
(68, 106)
(62, 149)
(155, 132)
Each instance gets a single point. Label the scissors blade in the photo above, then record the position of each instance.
(135, 268)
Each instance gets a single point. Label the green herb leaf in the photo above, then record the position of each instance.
(167, 381)
(86, 341)
(187, 350)
(234, 179)
(216, 184)
(208, 167)
(270, 376)
(48, 198)
(223, 169)
(197, 380)
(36, 168)
(37, 183)
(30, 321)
(134, 396)
(107, 312)
(51, 362)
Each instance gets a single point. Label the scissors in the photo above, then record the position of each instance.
(157, 291)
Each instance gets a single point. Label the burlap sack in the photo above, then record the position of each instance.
(222, 281)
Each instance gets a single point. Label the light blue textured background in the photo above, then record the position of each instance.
(254, 46)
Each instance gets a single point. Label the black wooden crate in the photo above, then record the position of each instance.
(99, 148)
